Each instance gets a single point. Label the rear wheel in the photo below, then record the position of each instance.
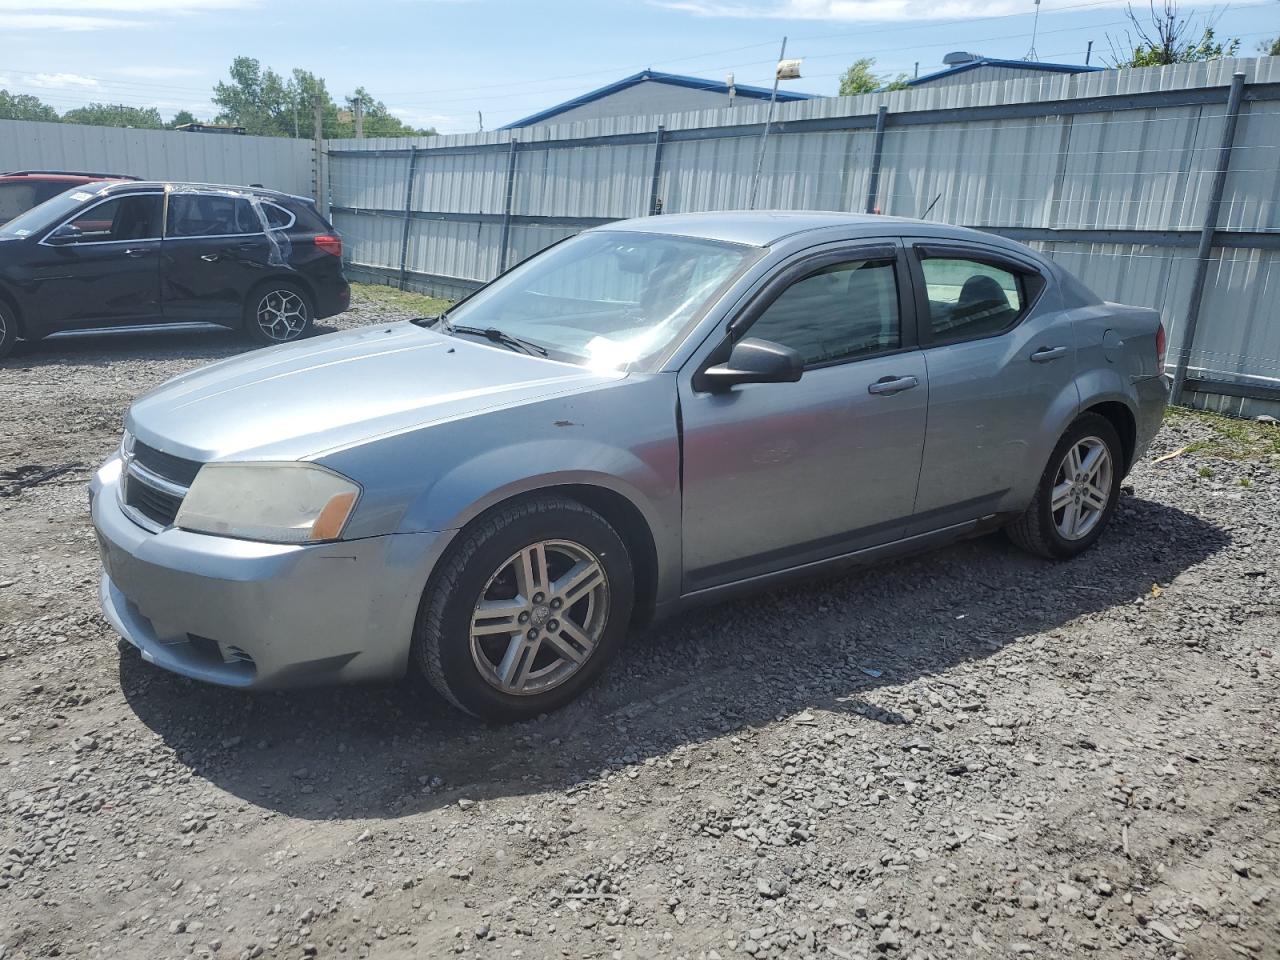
(8, 330)
(1077, 492)
(278, 312)
(525, 610)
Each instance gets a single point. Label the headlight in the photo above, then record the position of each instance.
(273, 502)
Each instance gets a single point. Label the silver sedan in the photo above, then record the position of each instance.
(651, 414)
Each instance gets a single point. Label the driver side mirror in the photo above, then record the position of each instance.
(67, 233)
(752, 360)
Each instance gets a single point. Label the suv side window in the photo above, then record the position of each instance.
(131, 217)
(210, 215)
(968, 299)
(840, 312)
(278, 218)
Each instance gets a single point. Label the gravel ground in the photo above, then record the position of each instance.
(969, 753)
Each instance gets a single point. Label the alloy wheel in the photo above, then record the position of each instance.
(1082, 488)
(540, 617)
(282, 315)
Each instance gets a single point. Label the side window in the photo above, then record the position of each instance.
(278, 218)
(210, 215)
(840, 312)
(968, 299)
(135, 217)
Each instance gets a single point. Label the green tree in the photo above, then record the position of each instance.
(1270, 48)
(181, 118)
(859, 79)
(1168, 38)
(378, 121)
(266, 104)
(115, 115)
(255, 99)
(22, 106)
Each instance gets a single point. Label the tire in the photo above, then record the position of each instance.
(529, 657)
(291, 312)
(8, 330)
(1061, 534)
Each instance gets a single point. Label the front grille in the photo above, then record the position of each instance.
(156, 505)
(174, 469)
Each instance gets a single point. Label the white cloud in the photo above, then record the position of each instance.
(125, 6)
(853, 11)
(59, 21)
(865, 11)
(62, 81)
(156, 73)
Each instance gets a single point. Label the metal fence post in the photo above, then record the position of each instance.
(1206, 237)
(877, 153)
(506, 209)
(655, 203)
(408, 217)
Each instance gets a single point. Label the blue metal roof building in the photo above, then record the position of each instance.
(980, 68)
(650, 93)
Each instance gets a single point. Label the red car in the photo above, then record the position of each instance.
(24, 189)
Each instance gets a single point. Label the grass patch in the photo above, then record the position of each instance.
(1229, 438)
(417, 303)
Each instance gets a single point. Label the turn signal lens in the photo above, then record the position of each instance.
(333, 517)
(1161, 347)
(327, 243)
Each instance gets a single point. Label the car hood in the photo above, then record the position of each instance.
(298, 401)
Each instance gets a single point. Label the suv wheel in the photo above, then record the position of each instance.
(526, 609)
(1077, 492)
(278, 312)
(8, 330)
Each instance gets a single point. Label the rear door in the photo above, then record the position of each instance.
(1001, 362)
(100, 267)
(214, 250)
(777, 475)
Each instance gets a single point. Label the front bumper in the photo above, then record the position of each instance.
(245, 614)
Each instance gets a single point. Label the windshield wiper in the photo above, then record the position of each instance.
(494, 335)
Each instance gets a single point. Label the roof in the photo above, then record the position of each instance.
(1009, 64)
(118, 186)
(653, 76)
(68, 175)
(762, 228)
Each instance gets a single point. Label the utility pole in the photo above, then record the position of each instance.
(480, 115)
(358, 106)
(1088, 53)
(764, 137)
(319, 193)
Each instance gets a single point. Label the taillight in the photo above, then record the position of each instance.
(1161, 346)
(328, 243)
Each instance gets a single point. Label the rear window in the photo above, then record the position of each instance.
(19, 196)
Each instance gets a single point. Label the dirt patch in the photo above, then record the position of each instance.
(969, 753)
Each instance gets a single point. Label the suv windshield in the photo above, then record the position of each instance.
(607, 298)
(50, 212)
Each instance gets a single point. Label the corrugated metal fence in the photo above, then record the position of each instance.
(274, 162)
(1112, 173)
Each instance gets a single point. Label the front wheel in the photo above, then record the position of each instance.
(526, 609)
(278, 312)
(1077, 493)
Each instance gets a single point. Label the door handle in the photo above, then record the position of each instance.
(136, 252)
(887, 386)
(209, 257)
(1045, 354)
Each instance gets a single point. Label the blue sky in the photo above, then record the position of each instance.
(438, 62)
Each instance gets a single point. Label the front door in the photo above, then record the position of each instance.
(99, 268)
(1001, 360)
(214, 250)
(781, 474)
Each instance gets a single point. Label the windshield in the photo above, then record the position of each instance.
(607, 299)
(50, 212)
